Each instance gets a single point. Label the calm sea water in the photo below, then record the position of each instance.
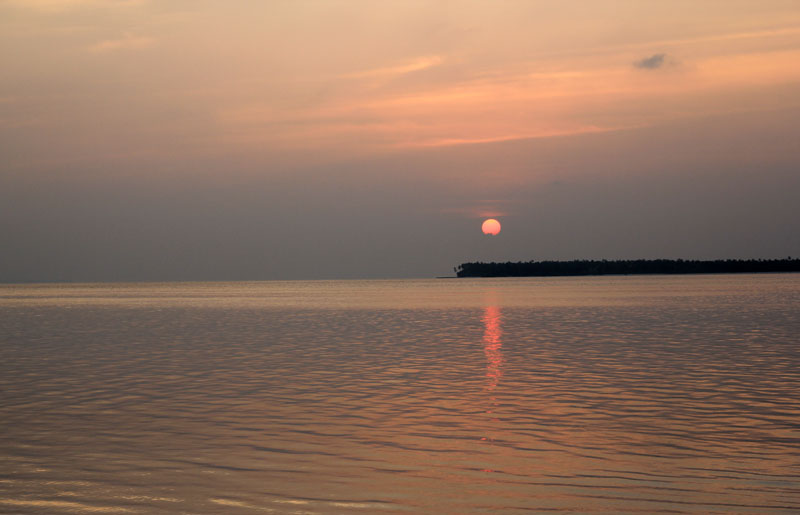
(604, 395)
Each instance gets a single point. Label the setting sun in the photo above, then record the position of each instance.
(491, 226)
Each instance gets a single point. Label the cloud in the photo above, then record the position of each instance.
(449, 142)
(418, 64)
(65, 5)
(128, 42)
(651, 63)
(481, 208)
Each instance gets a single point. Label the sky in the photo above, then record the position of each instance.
(203, 140)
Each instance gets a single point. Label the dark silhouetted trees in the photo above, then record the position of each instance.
(626, 267)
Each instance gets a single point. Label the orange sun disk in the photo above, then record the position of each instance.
(491, 226)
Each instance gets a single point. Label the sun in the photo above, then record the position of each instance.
(491, 226)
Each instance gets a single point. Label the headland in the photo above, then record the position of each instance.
(626, 267)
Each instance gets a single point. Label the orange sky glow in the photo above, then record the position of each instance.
(475, 101)
(369, 78)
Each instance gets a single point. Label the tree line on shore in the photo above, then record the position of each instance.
(626, 267)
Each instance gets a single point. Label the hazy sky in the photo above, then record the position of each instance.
(190, 139)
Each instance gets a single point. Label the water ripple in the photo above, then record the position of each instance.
(671, 395)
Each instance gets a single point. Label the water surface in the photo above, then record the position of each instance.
(605, 395)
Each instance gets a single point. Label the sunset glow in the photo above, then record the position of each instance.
(241, 268)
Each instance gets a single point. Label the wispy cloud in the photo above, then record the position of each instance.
(448, 142)
(480, 209)
(127, 42)
(64, 5)
(731, 36)
(418, 64)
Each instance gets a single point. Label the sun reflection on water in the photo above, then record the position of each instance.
(492, 344)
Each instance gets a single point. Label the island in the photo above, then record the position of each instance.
(626, 267)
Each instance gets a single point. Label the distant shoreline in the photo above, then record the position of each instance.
(626, 267)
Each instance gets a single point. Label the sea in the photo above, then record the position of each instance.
(615, 394)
